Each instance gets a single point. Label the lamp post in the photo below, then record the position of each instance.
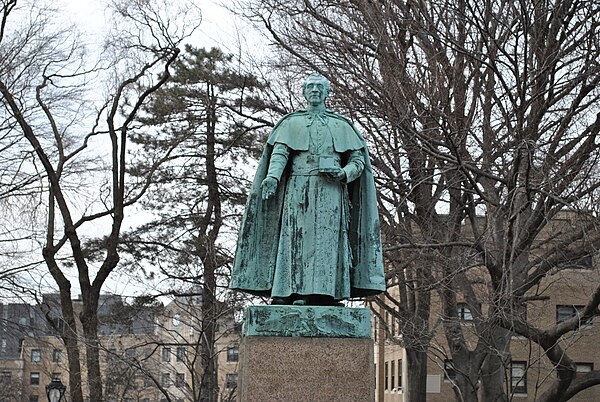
(55, 390)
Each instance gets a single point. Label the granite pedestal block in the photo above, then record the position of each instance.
(310, 362)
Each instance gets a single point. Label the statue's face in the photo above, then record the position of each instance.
(314, 92)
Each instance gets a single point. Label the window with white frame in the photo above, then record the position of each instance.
(565, 312)
(165, 380)
(34, 378)
(583, 368)
(518, 377)
(180, 380)
(233, 354)
(449, 372)
(387, 384)
(399, 373)
(181, 351)
(231, 380)
(111, 355)
(463, 311)
(166, 354)
(5, 377)
(57, 356)
(36, 355)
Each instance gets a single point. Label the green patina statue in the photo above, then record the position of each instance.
(310, 233)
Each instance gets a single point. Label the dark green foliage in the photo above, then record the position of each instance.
(203, 129)
(207, 97)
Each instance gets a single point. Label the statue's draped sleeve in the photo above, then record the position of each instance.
(355, 165)
(279, 158)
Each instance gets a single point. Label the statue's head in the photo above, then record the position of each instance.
(315, 89)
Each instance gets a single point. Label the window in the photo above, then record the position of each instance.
(165, 380)
(586, 262)
(180, 380)
(36, 355)
(3, 346)
(34, 398)
(148, 382)
(399, 373)
(56, 376)
(387, 325)
(375, 329)
(166, 354)
(57, 356)
(386, 376)
(58, 325)
(583, 369)
(564, 312)
(449, 372)
(34, 378)
(111, 355)
(518, 377)
(231, 380)
(181, 351)
(464, 312)
(176, 320)
(393, 375)
(233, 354)
(5, 377)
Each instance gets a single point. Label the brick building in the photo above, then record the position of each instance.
(147, 350)
(559, 296)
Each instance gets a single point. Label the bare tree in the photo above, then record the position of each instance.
(47, 82)
(482, 119)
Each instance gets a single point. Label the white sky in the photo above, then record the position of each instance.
(219, 27)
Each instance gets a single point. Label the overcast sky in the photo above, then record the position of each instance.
(219, 27)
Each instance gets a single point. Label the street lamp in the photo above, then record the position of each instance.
(55, 390)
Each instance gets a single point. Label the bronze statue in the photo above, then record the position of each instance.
(310, 232)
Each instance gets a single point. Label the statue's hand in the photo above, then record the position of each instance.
(337, 174)
(269, 186)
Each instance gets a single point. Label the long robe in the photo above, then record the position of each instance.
(316, 236)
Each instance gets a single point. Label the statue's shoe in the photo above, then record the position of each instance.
(303, 301)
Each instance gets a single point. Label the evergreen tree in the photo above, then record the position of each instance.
(207, 121)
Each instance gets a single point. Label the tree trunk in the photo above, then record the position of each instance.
(208, 239)
(464, 391)
(89, 322)
(416, 382)
(69, 337)
(209, 388)
(68, 329)
(493, 368)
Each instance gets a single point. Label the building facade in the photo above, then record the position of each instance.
(148, 350)
(527, 371)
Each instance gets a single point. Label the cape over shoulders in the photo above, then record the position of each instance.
(287, 131)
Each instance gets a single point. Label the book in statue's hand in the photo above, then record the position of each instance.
(327, 164)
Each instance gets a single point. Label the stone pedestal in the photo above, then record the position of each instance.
(289, 365)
